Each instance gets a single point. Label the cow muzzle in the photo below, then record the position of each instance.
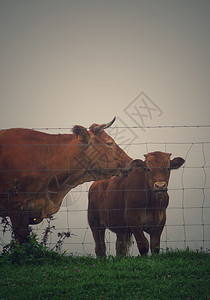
(160, 187)
(126, 171)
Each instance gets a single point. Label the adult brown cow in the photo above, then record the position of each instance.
(132, 205)
(37, 170)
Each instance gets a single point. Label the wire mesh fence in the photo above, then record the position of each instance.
(188, 213)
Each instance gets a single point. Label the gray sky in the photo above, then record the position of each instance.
(82, 62)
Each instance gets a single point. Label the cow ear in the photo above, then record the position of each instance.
(138, 163)
(176, 163)
(81, 133)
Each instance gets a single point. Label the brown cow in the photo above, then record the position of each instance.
(37, 170)
(132, 205)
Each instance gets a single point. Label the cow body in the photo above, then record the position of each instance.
(37, 170)
(132, 205)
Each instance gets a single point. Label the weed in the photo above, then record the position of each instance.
(27, 253)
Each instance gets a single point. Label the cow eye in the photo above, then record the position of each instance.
(110, 144)
(147, 170)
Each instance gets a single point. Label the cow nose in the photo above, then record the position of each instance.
(160, 186)
(124, 173)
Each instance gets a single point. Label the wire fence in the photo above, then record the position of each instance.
(188, 213)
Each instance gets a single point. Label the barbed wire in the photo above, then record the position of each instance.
(125, 127)
(132, 127)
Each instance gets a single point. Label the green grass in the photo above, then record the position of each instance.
(33, 272)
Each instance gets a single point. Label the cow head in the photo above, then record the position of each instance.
(157, 167)
(104, 158)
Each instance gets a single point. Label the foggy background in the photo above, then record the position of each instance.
(147, 62)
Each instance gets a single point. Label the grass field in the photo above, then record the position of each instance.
(33, 272)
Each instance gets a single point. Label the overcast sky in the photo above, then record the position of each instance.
(67, 62)
(82, 62)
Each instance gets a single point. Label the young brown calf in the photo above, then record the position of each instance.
(132, 205)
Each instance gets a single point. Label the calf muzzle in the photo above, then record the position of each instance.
(160, 187)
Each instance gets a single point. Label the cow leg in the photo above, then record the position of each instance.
(122, 244)
(99, 238)
(20, 228)
(142, 242)
(155, 240)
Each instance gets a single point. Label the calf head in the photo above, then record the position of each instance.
(103, 156)
(157, 167)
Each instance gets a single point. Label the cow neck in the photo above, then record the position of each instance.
(85, 172)
(81, 157)
(91, 174)
(158, 201)
(75, 173)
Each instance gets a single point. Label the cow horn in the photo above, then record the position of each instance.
(104, 126)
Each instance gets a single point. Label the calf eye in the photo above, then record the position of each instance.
(110, 144)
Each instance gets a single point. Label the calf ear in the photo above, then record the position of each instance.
(176, 163)
(81, 133)
(138, 163)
